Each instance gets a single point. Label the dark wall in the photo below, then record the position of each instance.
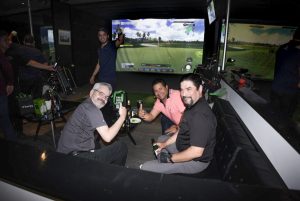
(142, 82)
(61, 21)
(20, 24)
(84, 44)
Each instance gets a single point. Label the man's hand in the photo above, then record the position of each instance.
(161, 145)
(142, 113)
(9, 89)
(92, 79)
(51, 68)
(122, 111)
(165, 157)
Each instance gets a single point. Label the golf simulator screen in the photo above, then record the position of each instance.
(172, 46)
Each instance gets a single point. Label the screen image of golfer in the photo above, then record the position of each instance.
(159, 45)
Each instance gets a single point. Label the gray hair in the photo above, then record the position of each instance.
(99, 84)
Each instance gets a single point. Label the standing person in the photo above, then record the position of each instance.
(29, 62)
(78, 134)
(168, 103)
(286, 83)
(106, 68)
(6, 88)
(191, 149)
(107, 54)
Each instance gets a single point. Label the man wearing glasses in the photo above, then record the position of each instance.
(78, 138)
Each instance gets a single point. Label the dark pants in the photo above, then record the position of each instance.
(165, 123)
(284, 106)
(115, 153)
(5, 123)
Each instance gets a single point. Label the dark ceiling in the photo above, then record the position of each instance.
(265, 10)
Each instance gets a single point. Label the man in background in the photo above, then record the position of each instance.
(6, 88)
(168, 103)
(107, 54)
(286, 83)
(106, 67)
(29, 63)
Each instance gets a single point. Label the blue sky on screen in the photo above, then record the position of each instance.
(167, 29)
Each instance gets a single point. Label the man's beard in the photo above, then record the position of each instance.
(188, 105)
(101, 104)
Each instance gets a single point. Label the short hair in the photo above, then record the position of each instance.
(158, 80)
(99, 84)
(103, 29)
(197, 81)
(28, 38)
(297, 34)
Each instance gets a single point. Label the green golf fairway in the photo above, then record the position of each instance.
(174, 57)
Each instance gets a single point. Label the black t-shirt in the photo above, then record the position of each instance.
(198, 128)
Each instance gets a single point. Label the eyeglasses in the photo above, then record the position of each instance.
(102, 94)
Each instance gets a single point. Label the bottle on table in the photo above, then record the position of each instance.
(128, 109)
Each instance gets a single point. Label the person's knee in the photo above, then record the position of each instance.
(123, 149)
(149, 166)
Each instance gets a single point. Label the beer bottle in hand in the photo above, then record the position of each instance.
(154, 147)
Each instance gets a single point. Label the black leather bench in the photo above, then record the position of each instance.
(238, 158)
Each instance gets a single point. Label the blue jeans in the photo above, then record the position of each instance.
(5, 123)
(165, 123)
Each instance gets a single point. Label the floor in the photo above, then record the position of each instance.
(137, 154)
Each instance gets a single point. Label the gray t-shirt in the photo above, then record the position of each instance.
(78, 133)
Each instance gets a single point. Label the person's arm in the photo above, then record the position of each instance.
(120, 40)
(169, 141)
(148, 116)
(39, 65)
(96, 70)
(9, 77)
(172, 129)
(9, 89)
(188, 154)
(108, 133)
(8, 74)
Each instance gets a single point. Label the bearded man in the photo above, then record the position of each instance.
(78, 137)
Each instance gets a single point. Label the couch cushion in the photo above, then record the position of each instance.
(250, 167)
(222, 107)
